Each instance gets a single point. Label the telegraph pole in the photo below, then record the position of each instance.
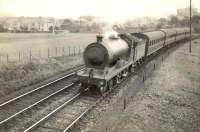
(190, 46)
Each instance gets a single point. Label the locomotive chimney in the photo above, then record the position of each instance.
(99, 38)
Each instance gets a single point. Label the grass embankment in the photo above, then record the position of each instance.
(14, 76)
(167, 101)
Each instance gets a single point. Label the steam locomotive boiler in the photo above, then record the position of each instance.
(108, 61)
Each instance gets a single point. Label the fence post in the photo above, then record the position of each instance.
(79, 49)
(69, 50)
(144, 75)
(63, 51)
(48, 53)
(56, 51)
(19, 56)
(74, 50)
(7, 57)
(124, 103)
(30, 56)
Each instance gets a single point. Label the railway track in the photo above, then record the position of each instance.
(64, 118)
(66, 115)
(13, 109)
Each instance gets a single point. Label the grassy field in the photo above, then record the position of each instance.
(38, 45)
(15, 76)
(13, 42)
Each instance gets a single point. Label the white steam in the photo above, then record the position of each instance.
(108, 31)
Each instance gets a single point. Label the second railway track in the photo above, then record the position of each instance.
(11, 109)
(24, 120)
(62, 118)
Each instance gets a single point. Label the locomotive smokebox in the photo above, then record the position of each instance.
(105, 52)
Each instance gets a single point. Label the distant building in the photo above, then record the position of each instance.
(40, 25)
(185, 12)
(28, 24)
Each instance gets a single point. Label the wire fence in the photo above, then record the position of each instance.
(32, 55)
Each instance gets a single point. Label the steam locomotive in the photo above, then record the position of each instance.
(112, 58)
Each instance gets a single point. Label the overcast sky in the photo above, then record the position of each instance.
(110, 9)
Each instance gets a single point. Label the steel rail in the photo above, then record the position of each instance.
(80, 116)
(36, 103)
(50, 114)
(95, 103)
(43, 86)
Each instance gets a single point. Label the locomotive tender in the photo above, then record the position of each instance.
(110, 59)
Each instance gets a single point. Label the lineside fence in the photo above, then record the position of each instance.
(37, 55)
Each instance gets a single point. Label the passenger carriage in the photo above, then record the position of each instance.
(155, 40)
(170, 36)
